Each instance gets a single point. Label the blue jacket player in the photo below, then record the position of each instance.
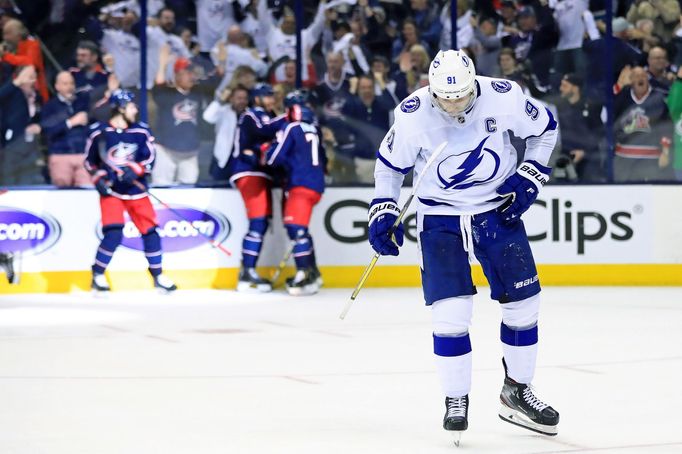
(298, 152)
(469, 204)
(119, 156)
(257, 128)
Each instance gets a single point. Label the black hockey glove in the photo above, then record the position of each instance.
(130, 172)
(102, 184)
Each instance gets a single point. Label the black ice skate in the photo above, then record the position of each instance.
(303, 283)
(7, 264)
(456, 416)
(251, 282)
(317, 275)
(99, 283)
(163, 284)
(520, 406)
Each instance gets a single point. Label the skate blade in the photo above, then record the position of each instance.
(519, 419)
(246, 287)
(100, 294)
(164, 291)
(457, 437)
(303, 291)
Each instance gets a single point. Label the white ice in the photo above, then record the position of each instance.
(205, 372)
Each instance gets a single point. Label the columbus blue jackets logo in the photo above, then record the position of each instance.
(122, 153)
(410, 105)
(470, 168)
(186, 110)
(501, 86)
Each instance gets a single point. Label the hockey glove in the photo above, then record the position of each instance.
(102, 184)
(521, 189)
(130, 172)
(382, 216)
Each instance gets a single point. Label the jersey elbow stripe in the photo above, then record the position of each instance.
(552, 123)
(404, 171)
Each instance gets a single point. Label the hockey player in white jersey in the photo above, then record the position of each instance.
(470, 202)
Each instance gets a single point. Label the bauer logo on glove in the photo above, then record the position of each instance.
(521, 189)
(383, 236)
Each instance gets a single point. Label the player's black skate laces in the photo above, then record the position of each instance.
(531, 399)
(457, 407)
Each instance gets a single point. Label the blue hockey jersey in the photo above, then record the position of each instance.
(299, 152)
(110, 149)
(256, 127)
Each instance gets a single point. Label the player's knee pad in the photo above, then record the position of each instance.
(112, 235)
(296, 232)
(258, 226)
(151, 240)
(452, 316)
(521, 314)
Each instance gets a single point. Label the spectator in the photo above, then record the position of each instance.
(245, 76)
(64, 121)
(580, 129)
(675, 108)
(290, 76)
(229, 54)
(163, 33)
(465, 34)
(568, 57)
(664, 13)
(20, 49)
(642, 130)
(213, 18)
(347, 42)
(508, 17)
(382, 81)
(426, 16)
(367, 120)
(190, 41)
(88, 74)
(224, 112)
(414, 74)
(535, 41)
(487, 44)
(519, 73)
(659, 75)
(334, 88)
(19, 127)
(410, 37)
(282, 40)
(177, 129)
(119, 41)
(377, 37)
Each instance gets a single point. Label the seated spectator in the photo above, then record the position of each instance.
(535, 41)
(224, 112)
(642, 130)
(88, 73)
(20, 49)
(177, 125)
(382, 81)
(19, 129)
(580, 131)
(64, 121)
(334, 88)
(290, 75)
(366, 119)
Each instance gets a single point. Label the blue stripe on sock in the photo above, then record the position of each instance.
(451, 346)
(520, 338)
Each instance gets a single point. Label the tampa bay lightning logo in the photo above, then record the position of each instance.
(410, 105)
(501, 86)
(471, 168)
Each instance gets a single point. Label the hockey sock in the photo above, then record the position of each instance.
(303, 245)
(152, 251)
(520, 348)
(253, 241)
(453, 362)
(112, 237)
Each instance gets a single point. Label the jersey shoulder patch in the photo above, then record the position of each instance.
(501, 86)
(410, 104)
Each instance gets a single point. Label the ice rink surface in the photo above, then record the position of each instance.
(202, 372)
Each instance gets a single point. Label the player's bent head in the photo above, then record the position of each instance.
(452, 82)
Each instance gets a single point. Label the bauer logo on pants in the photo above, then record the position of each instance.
(23, 231)
(179, 234)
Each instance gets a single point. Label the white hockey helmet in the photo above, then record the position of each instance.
(452, 82)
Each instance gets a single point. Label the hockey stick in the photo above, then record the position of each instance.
(142, 188)
(282, 263)
(392, 230)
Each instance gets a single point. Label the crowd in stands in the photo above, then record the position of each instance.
(60, 60)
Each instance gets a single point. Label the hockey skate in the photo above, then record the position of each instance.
(520, 406)
(251, 282)
(317, 275)
(163, 284)
(99, 283)
(456, 416)
(303, 283)
(7, 264)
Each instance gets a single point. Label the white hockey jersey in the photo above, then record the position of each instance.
(478, 157)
